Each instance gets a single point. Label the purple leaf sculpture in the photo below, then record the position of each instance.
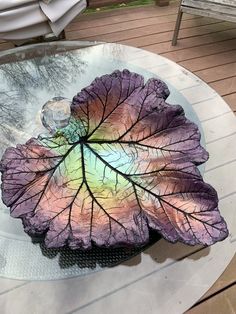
(126, 163)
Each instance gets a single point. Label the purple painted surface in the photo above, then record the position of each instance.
(126, 163)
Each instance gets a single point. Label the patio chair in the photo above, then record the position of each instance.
(219, 9)
(21, 20)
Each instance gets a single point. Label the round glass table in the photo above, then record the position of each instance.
(163, 277)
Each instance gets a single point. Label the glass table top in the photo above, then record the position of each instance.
(32, 75)
(27, 83)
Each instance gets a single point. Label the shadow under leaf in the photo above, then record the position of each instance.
(106, 258)
(102, 257)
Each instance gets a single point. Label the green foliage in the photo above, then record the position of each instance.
(122, 5)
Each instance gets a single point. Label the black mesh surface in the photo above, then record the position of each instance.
(95, 257)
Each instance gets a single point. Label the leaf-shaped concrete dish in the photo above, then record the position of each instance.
(126, 163)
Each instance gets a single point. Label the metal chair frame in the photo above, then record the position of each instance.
(219, 9)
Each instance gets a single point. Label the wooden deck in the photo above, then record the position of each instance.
(207, 47)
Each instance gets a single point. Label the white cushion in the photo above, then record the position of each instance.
(34, 18)
(7, 4)
(57, 8)
(20, 17)
(25, 33)
(58, 26)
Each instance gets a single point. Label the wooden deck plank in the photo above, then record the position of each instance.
(226, 86)
(197, 41)
(196, 52)
(5, 46)
(224, 302)
(217, 73)
(210, 61)
(185, 33)
(130, 31)
(150, 25)
(153, 16)
(231, 101)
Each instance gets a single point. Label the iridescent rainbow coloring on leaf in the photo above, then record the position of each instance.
(126, 163)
